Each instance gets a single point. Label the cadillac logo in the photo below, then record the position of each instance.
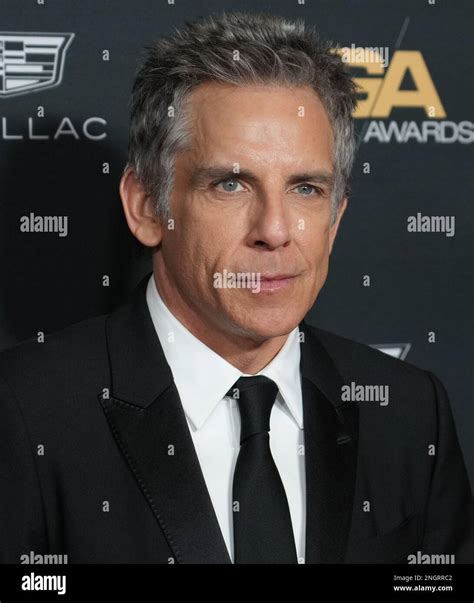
(31, 61)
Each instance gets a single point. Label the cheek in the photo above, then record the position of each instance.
(315, 249)
(322, 271)
(211, 238)
(181, 252)
(323, 257)
(193, 252)
(315, 244)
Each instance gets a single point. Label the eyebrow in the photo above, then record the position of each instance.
(203, 174)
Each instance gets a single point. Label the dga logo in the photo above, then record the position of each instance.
(396, 350)
(383, 88)
(403, 83)
(31, 61)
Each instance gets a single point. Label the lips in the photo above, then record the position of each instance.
(272, 283)
(275, 277)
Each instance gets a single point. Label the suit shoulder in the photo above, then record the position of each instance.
(362, 364)
(67, 353)
(354, 356)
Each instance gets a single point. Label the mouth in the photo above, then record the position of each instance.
(275, 277)
(276, 282)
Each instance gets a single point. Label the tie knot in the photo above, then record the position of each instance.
(255, 396)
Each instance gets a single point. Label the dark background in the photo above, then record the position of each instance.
(420, 282)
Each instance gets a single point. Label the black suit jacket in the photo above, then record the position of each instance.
(87, 419)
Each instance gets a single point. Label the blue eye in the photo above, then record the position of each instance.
(233, 182)
(309, 186)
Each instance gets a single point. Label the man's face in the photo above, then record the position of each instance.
(258, 214)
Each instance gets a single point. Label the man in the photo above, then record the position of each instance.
(205, 421)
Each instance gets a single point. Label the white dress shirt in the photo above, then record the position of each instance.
(202, 378)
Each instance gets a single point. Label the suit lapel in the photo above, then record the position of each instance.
(331, 434)
(147, 420)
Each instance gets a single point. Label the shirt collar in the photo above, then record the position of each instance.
(203, 378)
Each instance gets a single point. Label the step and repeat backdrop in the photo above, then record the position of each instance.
(401, 271)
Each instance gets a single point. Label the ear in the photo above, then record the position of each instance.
(334, 228)
(139, 210)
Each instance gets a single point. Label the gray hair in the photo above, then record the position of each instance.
(271, 50)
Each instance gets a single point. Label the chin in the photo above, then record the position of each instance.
(271, 325)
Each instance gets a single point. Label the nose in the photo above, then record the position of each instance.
(270, 223)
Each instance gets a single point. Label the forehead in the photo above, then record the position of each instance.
(259, 122)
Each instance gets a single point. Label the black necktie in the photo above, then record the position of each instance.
(262, 524)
